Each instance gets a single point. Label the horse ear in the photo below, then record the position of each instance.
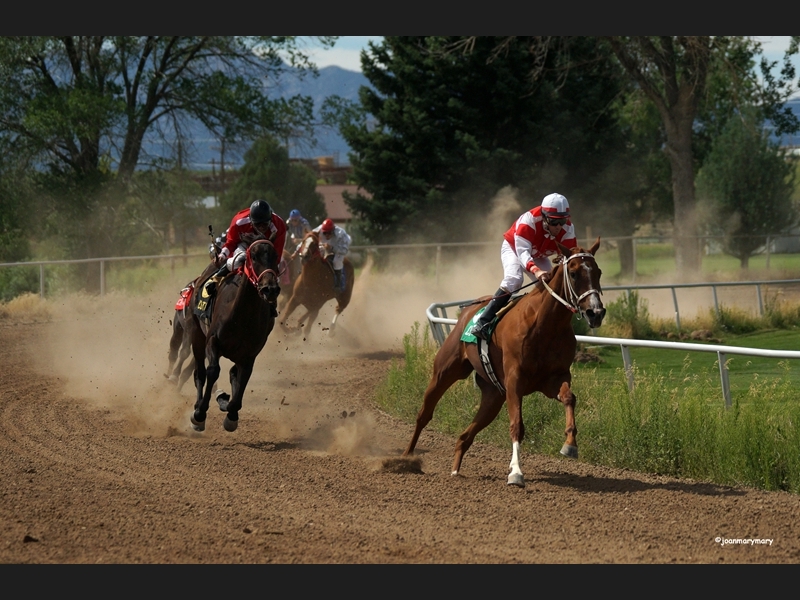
(566, 252)
(595, 246)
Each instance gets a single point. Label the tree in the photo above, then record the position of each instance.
(441, 132)
(745, 186)
(167, 205)
(67, 101)
(268, 174)
(673, 72)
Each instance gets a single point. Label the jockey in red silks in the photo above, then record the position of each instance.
(527, 247)
(258, 221)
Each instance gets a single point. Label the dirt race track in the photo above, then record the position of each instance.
(100, 465)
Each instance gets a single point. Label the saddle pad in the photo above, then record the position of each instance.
(186, 294)
(468, 337)
(203, 308)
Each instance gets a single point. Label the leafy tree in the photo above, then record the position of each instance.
(14, 218)
(268, 174)
(674, 73)
(70, 100)
(746, 186)
(441, 132)
(167, 205)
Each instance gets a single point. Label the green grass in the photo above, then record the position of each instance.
(657, 262)
(673, 364)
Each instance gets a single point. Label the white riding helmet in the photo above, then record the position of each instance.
(555, 206)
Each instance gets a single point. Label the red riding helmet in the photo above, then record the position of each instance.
(327, 226)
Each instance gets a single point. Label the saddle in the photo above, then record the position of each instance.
(483, 346)
(471, 339)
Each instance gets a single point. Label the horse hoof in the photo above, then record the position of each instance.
(516, 479)
(222, 400)
(230, 425)
(569, 451)
(197, 425)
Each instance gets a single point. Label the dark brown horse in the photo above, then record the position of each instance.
(241, 321)
(314, 287)
(531, 350)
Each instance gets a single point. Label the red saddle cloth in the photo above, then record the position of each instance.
(186, 294)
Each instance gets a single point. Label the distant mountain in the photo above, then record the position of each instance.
(331, 81)
(204, 151)
(791, 140)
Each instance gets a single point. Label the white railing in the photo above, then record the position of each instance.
(713, 285)
(441, 325)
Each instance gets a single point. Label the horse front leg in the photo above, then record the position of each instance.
(198, 418)
(239, 376)
(516, 429)
(567, 398)
(205, 381)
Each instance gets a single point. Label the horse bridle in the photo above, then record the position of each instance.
(251, 274)
(574, 299)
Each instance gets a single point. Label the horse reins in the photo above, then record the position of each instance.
(569, 290)
(248, 265)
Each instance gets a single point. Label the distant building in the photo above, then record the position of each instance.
(333, 195)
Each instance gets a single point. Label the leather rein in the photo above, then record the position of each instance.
(569, 290)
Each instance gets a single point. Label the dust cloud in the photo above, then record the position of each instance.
(111, 352)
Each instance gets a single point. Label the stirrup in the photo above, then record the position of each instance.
(479, 330)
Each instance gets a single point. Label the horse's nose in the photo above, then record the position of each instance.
(595, 316)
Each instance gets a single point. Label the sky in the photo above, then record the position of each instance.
(346, 52)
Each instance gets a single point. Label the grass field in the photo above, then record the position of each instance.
(678, 365)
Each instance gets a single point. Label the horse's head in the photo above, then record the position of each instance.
(262, 269)
(582, 282)
(309, 248)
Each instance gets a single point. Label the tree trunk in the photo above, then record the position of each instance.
(688, 258)
(744, 261)
(626, 262)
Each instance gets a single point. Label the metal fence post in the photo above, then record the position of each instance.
(723, 375)
(626, 361)
(760, 301)
(438, 262)
(716, 304)
(102, 278)
(677, 311)
(41, 281)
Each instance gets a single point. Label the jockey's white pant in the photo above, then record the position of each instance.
(513, 268)
(338, 261)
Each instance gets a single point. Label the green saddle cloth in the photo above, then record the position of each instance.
(466, 336)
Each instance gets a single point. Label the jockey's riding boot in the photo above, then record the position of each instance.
(338, 280)
(210, 286)
(481, 327)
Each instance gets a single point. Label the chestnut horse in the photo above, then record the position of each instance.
(531, 350)
(241, 321)
(314, 287)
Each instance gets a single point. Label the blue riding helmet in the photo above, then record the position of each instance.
(295, 214)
